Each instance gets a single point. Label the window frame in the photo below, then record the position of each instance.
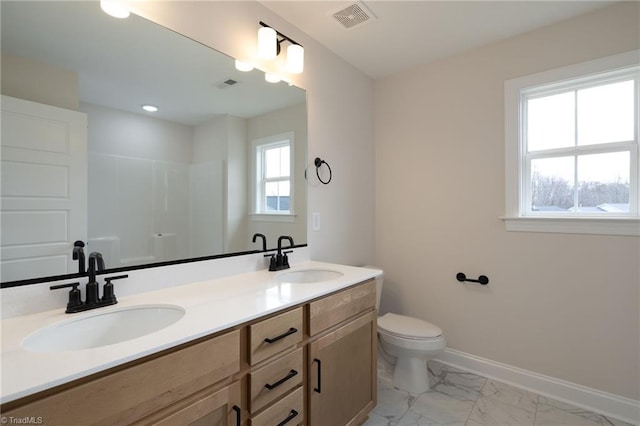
(518, 215)
(258, 146)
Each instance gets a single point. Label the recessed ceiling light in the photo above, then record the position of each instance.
(150, 108)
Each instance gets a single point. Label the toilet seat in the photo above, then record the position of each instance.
(405, 327)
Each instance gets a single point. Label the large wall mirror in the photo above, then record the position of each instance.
(81, 159)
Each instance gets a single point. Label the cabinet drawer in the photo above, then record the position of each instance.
(288, 411)
(275, 379)
(135, 392)
(273, 335)
(334, 309)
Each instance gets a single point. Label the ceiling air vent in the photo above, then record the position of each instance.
(353, 15)
(225, 84)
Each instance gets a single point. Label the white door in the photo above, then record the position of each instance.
(43, 153)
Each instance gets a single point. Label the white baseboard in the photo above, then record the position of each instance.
(614, 406)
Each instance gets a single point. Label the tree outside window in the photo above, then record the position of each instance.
(580, 146)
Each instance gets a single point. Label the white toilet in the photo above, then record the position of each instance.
(412, 342)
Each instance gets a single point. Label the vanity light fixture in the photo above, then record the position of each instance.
(269, 41)
(150, 108)
(115, 8)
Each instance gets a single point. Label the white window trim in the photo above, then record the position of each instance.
(275, 217)
(271, 216)
(514, 218)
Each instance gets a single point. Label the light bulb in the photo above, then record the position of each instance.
(115, 8)
(150, 108)
(295, 59)
(271, 77)
(267, 43)
(243, 66)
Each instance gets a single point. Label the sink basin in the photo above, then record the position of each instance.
(102, 328)
(308, 276)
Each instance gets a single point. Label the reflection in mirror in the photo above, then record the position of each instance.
(81, 159)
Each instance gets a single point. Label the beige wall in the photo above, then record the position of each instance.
(561, 305)
(291, 119)
(39, 82)
(237, 184)
(224, 138)
(340, 117)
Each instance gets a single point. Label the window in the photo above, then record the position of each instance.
(572, 148)
(273, 169)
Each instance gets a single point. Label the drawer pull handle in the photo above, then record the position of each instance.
(290, 417)
(282, 336)
(292, 374)
(238, 418)
(319, 387)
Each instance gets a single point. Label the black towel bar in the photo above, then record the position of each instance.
(482, 279)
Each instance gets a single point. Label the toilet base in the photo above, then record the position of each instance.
(411, 375)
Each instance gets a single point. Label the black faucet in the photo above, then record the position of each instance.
(264, 240)
(96, 264)
(78, 254)
(92, 299)
(280, 260)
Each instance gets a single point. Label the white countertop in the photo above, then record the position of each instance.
(210, 306)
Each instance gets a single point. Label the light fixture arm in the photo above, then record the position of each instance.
(284, 37)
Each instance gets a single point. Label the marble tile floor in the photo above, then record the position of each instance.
(459, 398)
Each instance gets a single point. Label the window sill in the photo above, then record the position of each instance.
(575, 225)
(279, 217)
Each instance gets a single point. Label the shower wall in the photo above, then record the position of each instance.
(147, 201)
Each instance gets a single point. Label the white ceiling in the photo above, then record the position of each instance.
(408, 33)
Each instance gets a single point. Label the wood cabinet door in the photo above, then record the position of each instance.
(342, 374)
(219, 408)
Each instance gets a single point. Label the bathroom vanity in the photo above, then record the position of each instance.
(251, 349)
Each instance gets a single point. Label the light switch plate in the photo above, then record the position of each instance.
(315, 223)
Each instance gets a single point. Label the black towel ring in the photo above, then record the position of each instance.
(318, 163)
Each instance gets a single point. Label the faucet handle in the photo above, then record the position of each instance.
(75, 300)
(285, 259)
(273, 263)
(117, 277)
(59, 286)
(108, 295)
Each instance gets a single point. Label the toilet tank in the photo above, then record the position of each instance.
(379, 281)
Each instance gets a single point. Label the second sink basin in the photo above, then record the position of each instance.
(103, 328)
(308, 276)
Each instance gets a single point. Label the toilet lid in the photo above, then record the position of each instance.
(409, 327)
